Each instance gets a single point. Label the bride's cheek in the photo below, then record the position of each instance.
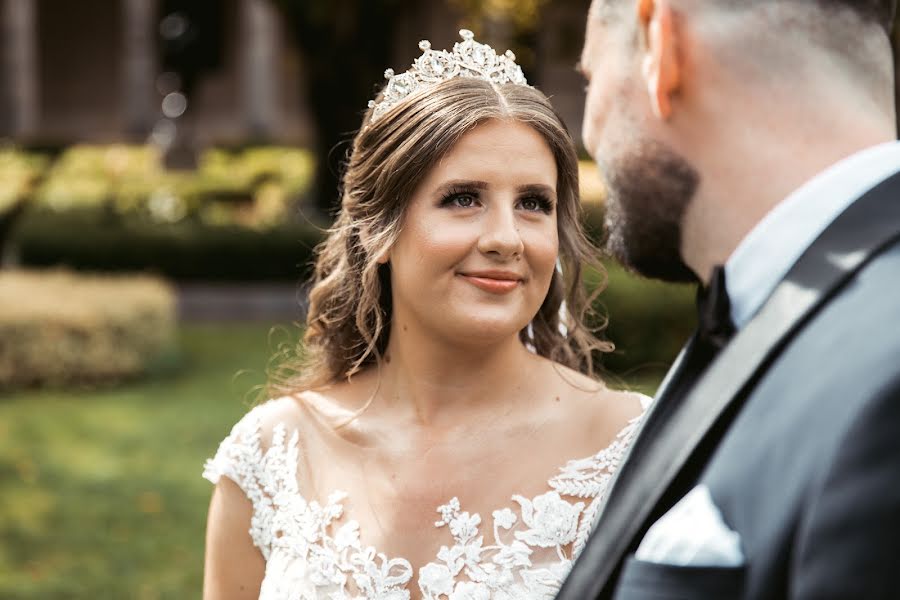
(543, 252)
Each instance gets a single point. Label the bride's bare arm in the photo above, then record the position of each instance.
(234, 567)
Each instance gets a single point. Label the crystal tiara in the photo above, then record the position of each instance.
(468, 59)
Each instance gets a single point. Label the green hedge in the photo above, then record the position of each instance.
(253, 187)
(18, 173)
(100, 240)
(59, 327)
(648, 320)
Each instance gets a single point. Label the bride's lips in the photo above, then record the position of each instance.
(495, 282)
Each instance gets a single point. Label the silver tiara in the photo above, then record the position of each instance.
(468, 59)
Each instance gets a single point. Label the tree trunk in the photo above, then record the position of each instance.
(345, 46)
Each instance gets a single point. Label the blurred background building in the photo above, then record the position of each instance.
(94, 70)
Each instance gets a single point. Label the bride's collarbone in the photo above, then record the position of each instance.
(495, 450)
(411, 481)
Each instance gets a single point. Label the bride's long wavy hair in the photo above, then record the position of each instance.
(347, 324)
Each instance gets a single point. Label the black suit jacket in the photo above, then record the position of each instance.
(794, 428)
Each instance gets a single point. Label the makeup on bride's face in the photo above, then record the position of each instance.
(479, 240)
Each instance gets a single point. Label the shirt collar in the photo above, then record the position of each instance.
(767, 253)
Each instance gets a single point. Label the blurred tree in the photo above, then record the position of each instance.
(523, 14)
(191, 45)
(345, 45)
(509, 23)
(191, 39)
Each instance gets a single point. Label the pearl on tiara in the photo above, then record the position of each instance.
(468, 59)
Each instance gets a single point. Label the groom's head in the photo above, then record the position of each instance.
(675, 86)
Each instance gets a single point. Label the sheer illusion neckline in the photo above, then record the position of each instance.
(520, 551)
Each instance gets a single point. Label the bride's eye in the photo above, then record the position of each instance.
(460, 200)
(536, 204)
(465, 200)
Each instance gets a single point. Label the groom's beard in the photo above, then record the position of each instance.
(648, 191)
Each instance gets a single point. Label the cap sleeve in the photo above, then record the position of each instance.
(239, 454)
(241, 458)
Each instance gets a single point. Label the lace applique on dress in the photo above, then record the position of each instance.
(312, 552)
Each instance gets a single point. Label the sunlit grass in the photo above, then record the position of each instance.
(100, 490)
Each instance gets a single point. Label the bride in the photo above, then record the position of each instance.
(445, 435)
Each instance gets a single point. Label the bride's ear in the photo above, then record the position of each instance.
(661, 66)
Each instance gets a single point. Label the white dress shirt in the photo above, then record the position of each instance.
(768, 252)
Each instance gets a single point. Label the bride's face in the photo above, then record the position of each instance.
(479, 243)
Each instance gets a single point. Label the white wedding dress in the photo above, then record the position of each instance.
(522, 551)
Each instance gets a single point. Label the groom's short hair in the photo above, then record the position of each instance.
(766, 40)
(882, 12)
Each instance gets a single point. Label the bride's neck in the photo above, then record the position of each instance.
(433, 383)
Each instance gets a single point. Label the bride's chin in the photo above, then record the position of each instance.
(485, 332)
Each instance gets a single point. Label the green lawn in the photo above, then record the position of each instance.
(100, 490)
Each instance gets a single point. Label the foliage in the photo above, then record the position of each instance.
(18, 173)
(97, 240)
(102, 494)
(522, 13)
(114, 208)
(648, 321)
(58, 327)
(92, 175)
(345, 45)
(254, 187)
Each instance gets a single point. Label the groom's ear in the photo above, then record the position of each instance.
(661, 67)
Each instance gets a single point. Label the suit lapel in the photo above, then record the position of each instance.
(655, 414)
(676, 427)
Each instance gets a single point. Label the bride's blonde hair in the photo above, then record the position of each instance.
(350, 297)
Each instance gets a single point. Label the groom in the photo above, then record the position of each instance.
(750, 144)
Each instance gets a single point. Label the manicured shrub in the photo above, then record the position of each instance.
(57, 327)
(97, 239)
(18, 173)
(648, 321)
(254, 187)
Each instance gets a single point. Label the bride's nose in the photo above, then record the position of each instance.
(500, 236)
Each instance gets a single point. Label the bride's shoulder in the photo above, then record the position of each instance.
(301, 410)
(263, 419)
(599, 406)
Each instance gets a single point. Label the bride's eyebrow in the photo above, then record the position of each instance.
(455, 184)
(536, 188)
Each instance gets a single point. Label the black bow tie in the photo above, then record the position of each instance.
(714, 324)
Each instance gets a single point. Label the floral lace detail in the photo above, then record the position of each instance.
(311, 552)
